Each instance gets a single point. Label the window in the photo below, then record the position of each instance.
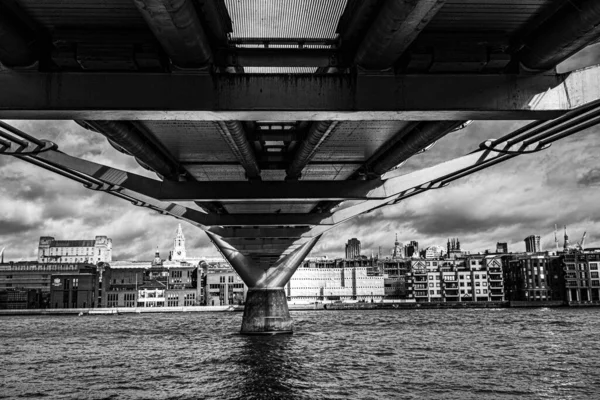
(113, 299)
(172, 300)
(477, 283)
(484, 291)
(593, 275)
(190, 299)
(483, 283)
(476, 276)
(432, 292)
(431, 284)
(477, 291)
(595, 283)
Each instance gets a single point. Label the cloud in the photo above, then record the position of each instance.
(506, 203)
(590, 178)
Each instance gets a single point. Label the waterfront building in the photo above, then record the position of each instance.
(534, 278)
(502, 248)
(395, 288)
(582, 280)
(412, 249)
(532, 244)
(20, 299)
(224, 286)
(476, 278)
(352, 249)
(75, 290)
(335, 283)
(94, 251)
(157, 283)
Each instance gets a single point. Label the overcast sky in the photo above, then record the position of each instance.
(508, 202)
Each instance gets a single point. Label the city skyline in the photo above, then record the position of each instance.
(507, 203)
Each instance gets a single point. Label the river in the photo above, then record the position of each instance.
(372, 354)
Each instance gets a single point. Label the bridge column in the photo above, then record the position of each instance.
(266, 310)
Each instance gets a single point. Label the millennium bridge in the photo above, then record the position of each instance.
(269, 122)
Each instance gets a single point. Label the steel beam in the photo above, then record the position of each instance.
(137, 96)
(178, 29)
(394, 29)
(248, 232)
(274, 57)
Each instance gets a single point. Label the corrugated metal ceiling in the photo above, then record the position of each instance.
(284, 18)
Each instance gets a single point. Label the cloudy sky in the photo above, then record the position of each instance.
(508, 202)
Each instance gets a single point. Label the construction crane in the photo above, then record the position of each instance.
(582, 242)
(2, 255)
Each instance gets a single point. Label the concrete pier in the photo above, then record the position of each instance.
(266, 312)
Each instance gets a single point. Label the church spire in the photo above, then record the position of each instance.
(178, 253)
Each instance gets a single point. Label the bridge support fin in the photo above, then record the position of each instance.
(266, 310)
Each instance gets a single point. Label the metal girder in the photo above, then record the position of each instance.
(249, 232)
(178, 29)
(275, 57)
(135, 96)
(394, 29)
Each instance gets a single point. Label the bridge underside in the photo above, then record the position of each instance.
(275, 121)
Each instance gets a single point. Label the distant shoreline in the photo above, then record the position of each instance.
(294, 307)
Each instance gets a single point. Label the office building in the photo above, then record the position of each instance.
(532, 244)
(412, 249)
(224, 286)
(352, 249)
(502, 248)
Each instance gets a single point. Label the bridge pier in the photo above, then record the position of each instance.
(266, 310)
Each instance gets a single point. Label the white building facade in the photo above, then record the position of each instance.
(75, 251)
(319, 284)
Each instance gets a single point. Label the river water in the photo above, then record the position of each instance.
(370, 354)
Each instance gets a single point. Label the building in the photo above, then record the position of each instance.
(532, 244)
(468, 280)
(398, 250)
(534, 278)
(20, 299)
(334, 283)
(433, 252)
(224, 286)
(75, 290)
(152, 284)
(453, 248)
(178, 253)
(352, 249)
(582, 281)
(75, 251)
(411, 249)
(502, 248)
(32, 275)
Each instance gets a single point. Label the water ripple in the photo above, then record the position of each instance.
(375, 354)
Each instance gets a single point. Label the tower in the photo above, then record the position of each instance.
(566, 245)
(178, 253)
(555, 238)
(398, 251)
